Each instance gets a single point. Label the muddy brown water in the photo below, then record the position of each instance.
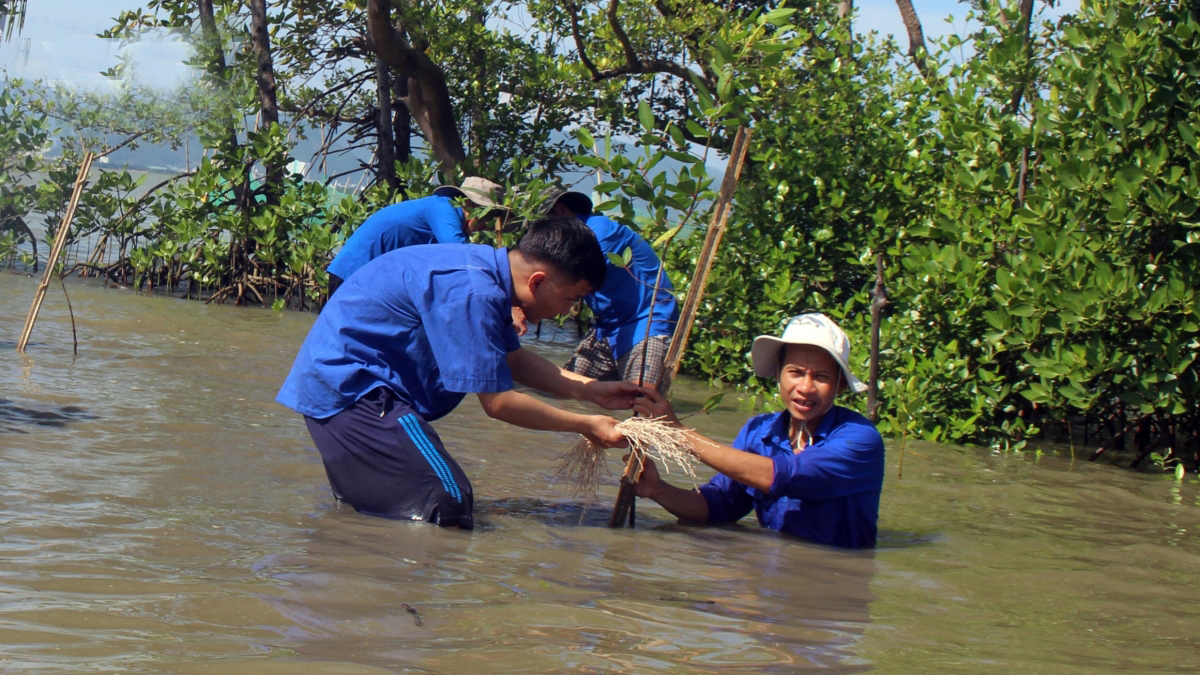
(161, 514)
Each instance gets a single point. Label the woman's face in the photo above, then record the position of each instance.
(809, 380)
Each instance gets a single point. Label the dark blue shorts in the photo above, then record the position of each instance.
(384, 459)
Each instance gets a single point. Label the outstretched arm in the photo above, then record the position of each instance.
(526, 411)
(535, 371)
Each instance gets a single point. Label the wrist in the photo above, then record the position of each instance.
(581, 391)
(589, 424)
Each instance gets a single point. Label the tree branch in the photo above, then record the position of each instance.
(916, 36)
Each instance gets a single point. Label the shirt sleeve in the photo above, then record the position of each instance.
(447, 223)
(728, 500)
(470, 340)
(847, 462)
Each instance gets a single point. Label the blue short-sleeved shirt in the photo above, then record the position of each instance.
(827, 493)
(432, 323)
(428, 220)
(622, 304)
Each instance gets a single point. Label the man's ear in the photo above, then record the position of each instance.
(536, 278)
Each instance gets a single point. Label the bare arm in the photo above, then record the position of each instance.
(687, 505)
(526, 411)
(535, 371)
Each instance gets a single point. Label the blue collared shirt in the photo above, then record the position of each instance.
(428, 220)
(827, 493)
(622, 304)
(432, 323)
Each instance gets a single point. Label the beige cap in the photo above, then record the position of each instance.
(479, 190)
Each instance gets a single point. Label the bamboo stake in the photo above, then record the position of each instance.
(687, 316)
(708, 254)
(60, 239)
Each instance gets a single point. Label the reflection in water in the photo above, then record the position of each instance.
(14, 416)
(162, 515)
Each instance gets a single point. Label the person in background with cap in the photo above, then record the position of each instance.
(630, 320)
(428, 220)
(814, 470)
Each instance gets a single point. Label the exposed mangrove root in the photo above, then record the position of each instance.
(582, 467)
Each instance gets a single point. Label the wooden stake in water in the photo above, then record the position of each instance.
(687, 316)
(60, 240)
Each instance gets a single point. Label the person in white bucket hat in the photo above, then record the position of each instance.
(814, 470)
(435, 219)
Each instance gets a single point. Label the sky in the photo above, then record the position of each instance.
(62, 45)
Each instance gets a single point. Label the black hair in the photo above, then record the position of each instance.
(567, 245)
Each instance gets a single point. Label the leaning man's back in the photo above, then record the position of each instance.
(431, 323)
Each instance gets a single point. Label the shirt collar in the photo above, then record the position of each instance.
(780, 429)
(505, 272)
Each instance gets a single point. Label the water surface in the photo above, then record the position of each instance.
(161, 514)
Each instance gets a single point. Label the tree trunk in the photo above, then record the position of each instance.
(480, 71)
(385, 146)
(916, 36)
(264, 78)
(1025, 26)
(428, 96)
(401, 119)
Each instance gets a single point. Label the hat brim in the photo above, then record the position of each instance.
(477, 198)
(764, 355)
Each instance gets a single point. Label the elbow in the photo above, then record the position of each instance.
(492, 406)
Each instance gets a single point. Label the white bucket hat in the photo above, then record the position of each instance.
(805, 329)
(479, 190)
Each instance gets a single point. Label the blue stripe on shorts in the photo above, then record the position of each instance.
(431, 455)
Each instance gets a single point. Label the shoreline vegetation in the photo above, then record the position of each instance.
(1026, 194)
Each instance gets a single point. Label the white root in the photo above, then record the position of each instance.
(582, 467)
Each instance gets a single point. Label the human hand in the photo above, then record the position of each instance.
(518, 319)
(649, 481)
(618, 395)
(602, 432)
(653, 404)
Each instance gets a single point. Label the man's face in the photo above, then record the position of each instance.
(551, 296)
(809, 380)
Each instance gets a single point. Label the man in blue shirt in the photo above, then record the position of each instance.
(814, 470)
(415, 330)
(428, 220)
(631, 320)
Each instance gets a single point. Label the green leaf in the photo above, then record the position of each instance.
(713, 401)
(585, 138)
(667, 236)
(645, 116)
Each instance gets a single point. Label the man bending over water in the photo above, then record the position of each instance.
(412, 332)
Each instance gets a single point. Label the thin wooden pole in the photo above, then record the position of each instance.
(708, 255)
(878, 301)
(60, 240)
(625, 509)
(687, 316)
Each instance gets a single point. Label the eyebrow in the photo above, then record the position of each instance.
(815, 371)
